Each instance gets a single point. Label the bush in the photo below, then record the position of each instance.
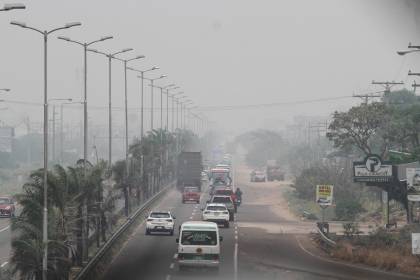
(347, 210)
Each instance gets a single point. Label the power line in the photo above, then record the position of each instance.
(268, 105)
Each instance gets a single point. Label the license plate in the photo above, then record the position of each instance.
(159, 227)
(216, 214)
(198, 257)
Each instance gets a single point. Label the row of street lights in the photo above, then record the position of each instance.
(86, 48)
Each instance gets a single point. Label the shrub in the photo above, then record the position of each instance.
(348, 209)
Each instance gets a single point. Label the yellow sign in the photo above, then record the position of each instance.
(324, 194)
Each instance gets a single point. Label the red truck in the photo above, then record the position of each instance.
(191, 194)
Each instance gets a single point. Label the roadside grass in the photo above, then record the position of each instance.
(384, 249)
(298, 206)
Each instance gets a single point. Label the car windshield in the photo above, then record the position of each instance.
(160, 215)
(216, 208)
(221, 199)
(224, 192)
(189, 190)
(199, 238)
(4, 200)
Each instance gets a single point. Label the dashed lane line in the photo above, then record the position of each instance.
(168, 277)
(172, 266)
(4, 264)
(5, 228)
(235, 262)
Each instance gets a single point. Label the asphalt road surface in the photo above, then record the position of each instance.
(261, 244)
(5, 237)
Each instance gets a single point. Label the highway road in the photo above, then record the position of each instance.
(5, 237)
(265, 242)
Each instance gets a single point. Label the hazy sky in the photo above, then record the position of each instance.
(221, 52)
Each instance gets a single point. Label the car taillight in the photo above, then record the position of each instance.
(225, 212)
(215, 257)
(169, 220)
(150, 220)
(206, 212)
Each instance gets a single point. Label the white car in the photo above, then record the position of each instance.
(160, 221)
(217, 213)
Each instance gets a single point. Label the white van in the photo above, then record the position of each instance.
(199, 244)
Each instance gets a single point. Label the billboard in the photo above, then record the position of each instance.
(373, 170)
(324, 195)
(413, 184)
(6, 139)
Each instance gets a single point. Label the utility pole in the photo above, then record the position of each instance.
(366, 96)
(415, 86)
(387, 85)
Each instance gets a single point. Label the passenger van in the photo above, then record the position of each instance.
(199, 245)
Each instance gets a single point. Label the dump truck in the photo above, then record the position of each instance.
(189, 170)
(274, 171)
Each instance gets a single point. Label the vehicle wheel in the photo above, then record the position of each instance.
(171, 232)
(231, 217)
(227, 224)
(183, 201)
(147, 232)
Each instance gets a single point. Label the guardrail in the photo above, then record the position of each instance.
(325, 239)
(87, 272)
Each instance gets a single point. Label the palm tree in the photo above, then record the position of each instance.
(27, 245)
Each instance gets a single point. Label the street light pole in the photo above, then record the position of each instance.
(45, 34)
(127, 165)
(151, 100)
(13, 6)
(110, 56)
(141, 77)
(85, 46)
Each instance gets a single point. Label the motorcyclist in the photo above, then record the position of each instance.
(238, 193)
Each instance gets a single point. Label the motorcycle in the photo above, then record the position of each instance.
(238, 201)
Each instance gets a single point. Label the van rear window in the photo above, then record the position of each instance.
(199, 238)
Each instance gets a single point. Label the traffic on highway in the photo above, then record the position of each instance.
(209, 140)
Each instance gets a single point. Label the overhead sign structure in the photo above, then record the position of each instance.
(324, 195)
(373, 170)
(413, 184)
(415, 243)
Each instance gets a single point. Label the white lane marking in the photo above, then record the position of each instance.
(236, 237)
(191, 218)
(175, 256)
(235, 262)
(236, 232)
(172, 266)
(4, 264)
(5, 228)
(168, 277)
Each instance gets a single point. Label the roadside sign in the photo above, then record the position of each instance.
(372, 170)
(413, 184)
(324, 194)
(415, 243)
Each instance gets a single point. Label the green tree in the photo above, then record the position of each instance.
(364, 127)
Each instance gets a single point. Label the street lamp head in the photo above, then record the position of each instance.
(65, 38)
(13, 6)
(106, 38)
(72, 24)
(402, 52)
(139, 56)
(155, 68)
(127, 50)
(18, 23)
(163, 76)
(5, 89)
